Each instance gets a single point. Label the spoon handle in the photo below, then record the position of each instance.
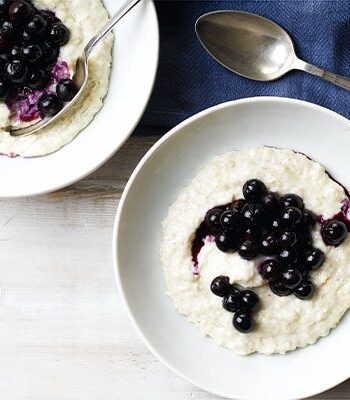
(338, 80)
(126, 7)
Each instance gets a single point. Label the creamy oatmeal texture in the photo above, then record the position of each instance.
(84, 18)
(282, 323)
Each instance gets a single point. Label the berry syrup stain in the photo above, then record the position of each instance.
(201, 236)
(343, 215)
(25, 107)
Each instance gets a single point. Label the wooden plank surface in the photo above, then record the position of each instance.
(63, 332)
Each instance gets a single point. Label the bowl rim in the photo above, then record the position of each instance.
(117, 235)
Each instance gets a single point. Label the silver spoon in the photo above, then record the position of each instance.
(254, 47)
(82, 72)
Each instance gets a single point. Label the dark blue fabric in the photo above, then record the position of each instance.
(189, 80)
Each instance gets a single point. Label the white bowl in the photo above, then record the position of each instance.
(135, 59)
(155, 184)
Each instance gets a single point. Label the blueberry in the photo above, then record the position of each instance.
(230, 220)
(232, 302)
(269, 269)
(212, 219)
(242, 322)
(288, 257)
(279, 289)
(20, 11)
(226, 207)
(6, 35)
(49, 16)
(226, 241)
(59, 34)
(271, 202)
(37, 79)
(301, 267)
(275, 225)
(234, 289)
(292, 200)
(291, 278)
(254, 213)
(291, 216)
(254, 190)
(66, 89)
(4, 90)
(7, 28)
(36, 26)
(237, 205)
(3, 61)
(4, 43)
(269, 245)
(221, 286)
(334, 232)
(25, 38)
(249, 300)
(288, 239)
(32, 53)
(313, 259)
(251, 232)
(309, 219)
(16, 71)
(50, 53)
(49, 105)
(304, 239)
(248, 250)
(3, 6)
(16, 53)
(305, 290)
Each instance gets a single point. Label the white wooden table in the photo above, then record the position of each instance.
(64, 334)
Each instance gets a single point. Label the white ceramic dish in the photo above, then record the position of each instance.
(135, 59)
(155, 184)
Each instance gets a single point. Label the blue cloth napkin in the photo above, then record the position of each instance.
(189, 80)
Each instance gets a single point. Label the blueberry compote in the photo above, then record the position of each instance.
(277, 228)
(240, 302)
(30, 41)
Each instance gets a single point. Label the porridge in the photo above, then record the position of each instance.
(255, 251)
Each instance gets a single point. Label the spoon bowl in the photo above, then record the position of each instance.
(250, 45)
(254, 47)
